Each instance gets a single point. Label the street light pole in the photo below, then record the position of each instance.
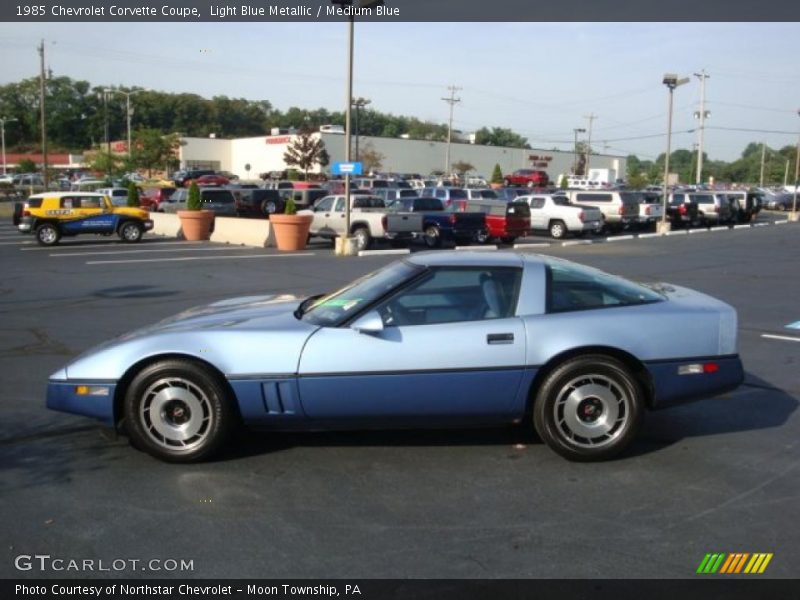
(671, 81)
(3, 121)
(796, 176)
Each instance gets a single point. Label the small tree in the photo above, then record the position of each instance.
(133, 195)
(462, 168)
(26, 165)
(193, 201)
(497, 174)
(306, 151)
(371, 158)
(564, 184)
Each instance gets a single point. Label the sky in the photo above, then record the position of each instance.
(538, 79)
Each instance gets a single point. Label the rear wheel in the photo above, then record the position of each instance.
(433, 237)
(177, 411)
(131, 232)
(482, 237)
(557, 230)
(48, 234)
(589, 408)
(363, 239)
(270, 207)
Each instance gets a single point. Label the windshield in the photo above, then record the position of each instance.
(335, 308)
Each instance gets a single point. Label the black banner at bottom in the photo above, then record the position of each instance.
(731, 588)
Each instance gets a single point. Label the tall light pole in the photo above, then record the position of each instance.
(3, 121)
(345, 5)
(796, 176)
(671, 81)
(43, 116)
(576, 131)
(128, 112)
(359, 103)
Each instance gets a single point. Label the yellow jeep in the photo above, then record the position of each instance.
(52, 215)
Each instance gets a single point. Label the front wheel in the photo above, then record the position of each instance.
(47, 234)
(482, 237)
(589, 408)
(177, 411)
(557, 230)
(131, 232)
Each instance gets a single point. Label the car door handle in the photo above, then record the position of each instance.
(500, 338)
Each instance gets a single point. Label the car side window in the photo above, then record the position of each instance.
(573, 287)
(339, 205)
(325, 204)
(89, 202)
(453, 294)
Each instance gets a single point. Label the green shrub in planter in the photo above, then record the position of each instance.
(290, 208)
(193, 201)
(497, 175)
(133, 195)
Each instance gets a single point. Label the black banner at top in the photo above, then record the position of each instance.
(398, 10)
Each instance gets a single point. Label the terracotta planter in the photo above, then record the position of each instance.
(291, 231)
(196, 224)
(496, 186)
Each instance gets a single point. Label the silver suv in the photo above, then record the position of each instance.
(620, 209)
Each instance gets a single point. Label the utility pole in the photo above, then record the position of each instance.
(591, 117)
(359, 103)
(702, 114)
(576, 131)
(452, 101)
(41, 106)
(763, 157)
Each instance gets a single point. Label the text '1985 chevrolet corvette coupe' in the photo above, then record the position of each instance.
(435, 340)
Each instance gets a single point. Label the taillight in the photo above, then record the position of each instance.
(716, 209)
(683, 209)
(621, 209)
(647, 211)
(385, 222)
(26, 213)
(452, 219)
(580, 216)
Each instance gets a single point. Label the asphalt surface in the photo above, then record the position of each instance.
(720, 475)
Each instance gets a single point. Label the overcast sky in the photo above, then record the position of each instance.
(538, 79)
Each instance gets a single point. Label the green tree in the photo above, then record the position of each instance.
(306, 151)
(26, 165)
(152, 150)
(499, 136)
(463, 167)
(193, 198)
(106, 162)
(497, 174)
(133, 195)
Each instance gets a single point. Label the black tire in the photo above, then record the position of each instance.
(178, 412)
(363, 239)
(432, 236)
(483, 237)
(131, 232)
(271, 207)
(48, 234)
(558, 230)
(589, 408)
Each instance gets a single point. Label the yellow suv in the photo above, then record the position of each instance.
(52, 215)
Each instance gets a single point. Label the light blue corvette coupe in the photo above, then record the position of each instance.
(435, 340)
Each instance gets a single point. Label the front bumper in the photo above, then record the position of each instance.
(670, 387)
(63, 396)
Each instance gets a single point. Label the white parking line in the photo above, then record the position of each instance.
(577, 243)
(693, 231)
(115, 244)
(644, 236)
(18, 243)
(539, 245)
(379, 252)
(741, 226)
(786, 338)
(621, 237)
(677, 232)
(144, 251)
(477, 248)
(185, 258)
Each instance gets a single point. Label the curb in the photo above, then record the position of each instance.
(477, 248)
(382, 252)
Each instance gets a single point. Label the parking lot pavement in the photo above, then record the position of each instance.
(719, 475)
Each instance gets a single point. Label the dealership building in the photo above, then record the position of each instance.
(248, 157)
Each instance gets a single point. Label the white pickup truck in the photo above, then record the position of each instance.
(556, 215)
(369, 220)
(651, 209)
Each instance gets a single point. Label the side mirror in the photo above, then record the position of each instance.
(371, 323)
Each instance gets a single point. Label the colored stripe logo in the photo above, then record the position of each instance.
(734, 563)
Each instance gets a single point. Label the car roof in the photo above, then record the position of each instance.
(473, 258)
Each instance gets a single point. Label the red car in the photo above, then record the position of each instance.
(151, 198)
(210, 181)
(504, 221)
(527, 178)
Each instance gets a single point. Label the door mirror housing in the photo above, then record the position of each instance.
(370, 323)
